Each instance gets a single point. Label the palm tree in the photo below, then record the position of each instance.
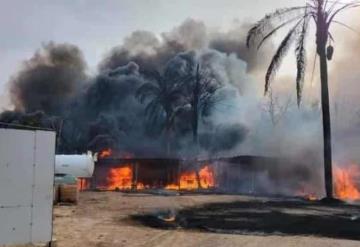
(201, 93)
(160, 94)
(322, 13)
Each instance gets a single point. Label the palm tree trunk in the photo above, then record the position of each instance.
(195, 105)
(167, 142)
(195, 123)
(195, 119)
(321, 41)
(167, 131)
(197, 173)
(326, 124)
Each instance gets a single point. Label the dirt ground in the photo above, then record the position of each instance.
(102, 219)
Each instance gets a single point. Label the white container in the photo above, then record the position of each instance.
(81, 166)
(27, 160)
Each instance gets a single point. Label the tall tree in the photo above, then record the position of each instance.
(200, 92)
(160, 94)
(322, 13)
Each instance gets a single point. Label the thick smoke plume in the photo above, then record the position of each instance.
(49, 80)
(53, 90)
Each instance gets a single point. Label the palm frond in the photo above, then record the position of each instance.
(313, 69)
(331, 8)
(331, 37)
(209, 101)
(145, 91)
(346, 26)
(338, 3)
(337, 11)
(279, 55)
(152, 110)
(266, 22)
(300, 53)
(272, 32)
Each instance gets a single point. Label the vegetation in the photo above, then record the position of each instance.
(322, 13)
(160, 95)
(200, 92)
(192, 90)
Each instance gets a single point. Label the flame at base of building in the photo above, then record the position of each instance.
(205, 179)
(242, 174)
(120, 178)
(83, 184)
(124, 177)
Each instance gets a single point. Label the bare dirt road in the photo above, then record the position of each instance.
(102, 219)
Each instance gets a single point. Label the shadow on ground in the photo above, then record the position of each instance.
(273, 217)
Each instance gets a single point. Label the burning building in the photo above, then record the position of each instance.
(242, 174)
(129, 173)
(104, 112)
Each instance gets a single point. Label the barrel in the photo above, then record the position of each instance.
(69, 193)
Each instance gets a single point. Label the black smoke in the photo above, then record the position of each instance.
(54, 90)
(49, 80)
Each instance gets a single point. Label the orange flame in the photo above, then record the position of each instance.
(304, 193)
(189, 180)
(140, 186)
(207, 179)
(83, 184)
(346, 179)
(105, 153)
(120, 178)
(172, 187)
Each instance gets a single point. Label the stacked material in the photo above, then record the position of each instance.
(66, 190)
(69, 193)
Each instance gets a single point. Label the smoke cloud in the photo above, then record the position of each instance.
(54, 90)
(49, 80)
(93, 112)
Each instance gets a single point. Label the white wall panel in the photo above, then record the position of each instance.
(26, 185)
(16, 170)
(43, 189)
(15, 227)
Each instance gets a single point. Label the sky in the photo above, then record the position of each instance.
(98, 25)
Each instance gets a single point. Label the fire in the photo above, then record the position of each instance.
(207, 177)
(105, 153)
(189, 180)
(115, 154)
(83, 184)
(347, 182)
(311, 197)
(120, 178)
(172, 187)
(304, 193)
(140, 186)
